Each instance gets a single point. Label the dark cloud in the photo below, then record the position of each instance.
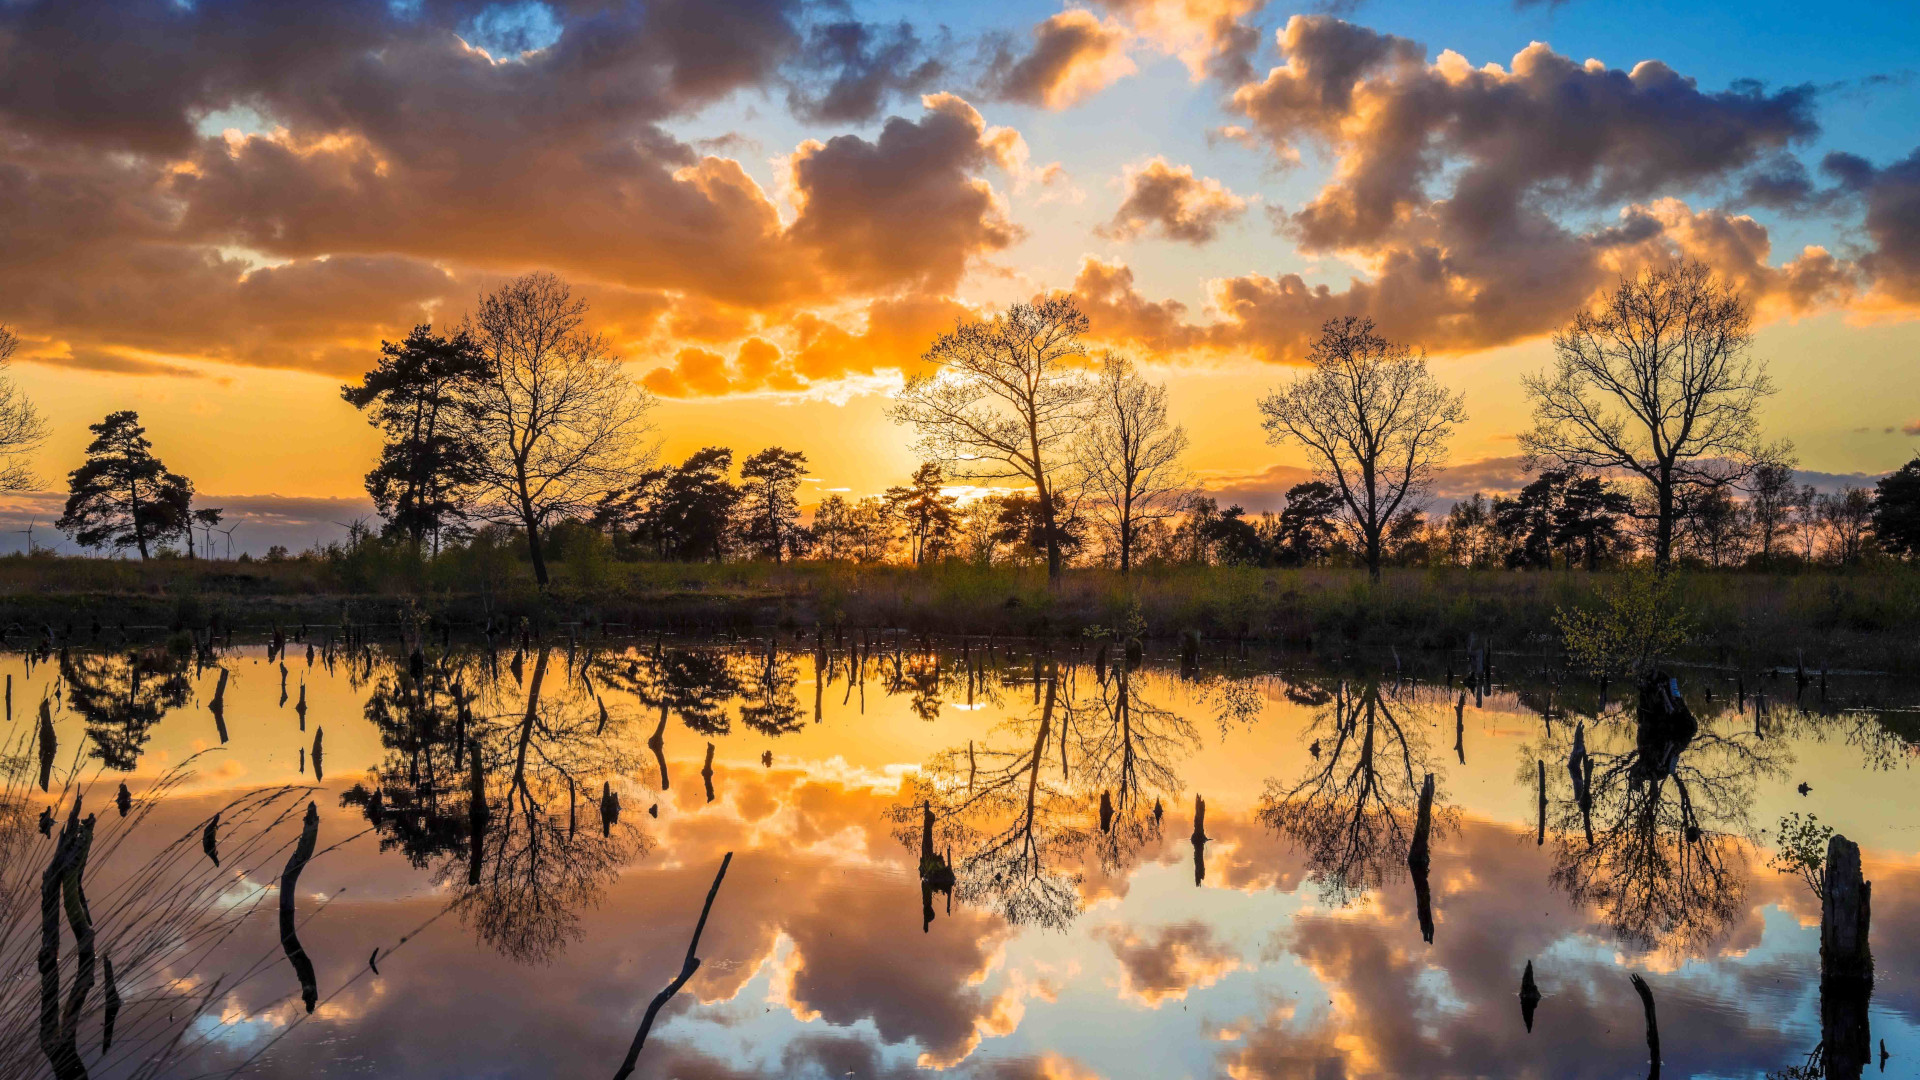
(1892, 197)
(906, 208)
(1170, 201)
(853, 69)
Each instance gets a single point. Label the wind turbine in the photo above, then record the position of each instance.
(31, 522)
(228, 533)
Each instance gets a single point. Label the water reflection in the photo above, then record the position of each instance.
(896, 856)
(1354, 811)
(1651, 826)
(490, 802)
(121, 696)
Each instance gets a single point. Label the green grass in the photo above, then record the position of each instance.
(1857, 618)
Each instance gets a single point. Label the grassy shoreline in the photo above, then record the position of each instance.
(1863, 619)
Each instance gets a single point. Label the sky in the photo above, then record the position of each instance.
(213, 211)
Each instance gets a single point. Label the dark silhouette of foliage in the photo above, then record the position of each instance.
(684, 512)
(927, 514)
(769, 506)
(415, 395)
(1563, 511)
(1309, 523)
(123, 496)
(1896, 509)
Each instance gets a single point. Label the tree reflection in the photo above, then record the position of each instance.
(1128, 749)
(1653, 833)
(1353, 812)
(1011, 823)
(695, 683)
(121, 696)
(1083, 777)
(492, 803)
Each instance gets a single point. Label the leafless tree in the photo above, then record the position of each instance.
(558, 422)
(22, 429)
(1374, 423)
(1002, 402)
(1770, 498)
(1656, 381)
(1129, 456)
(1848, 519)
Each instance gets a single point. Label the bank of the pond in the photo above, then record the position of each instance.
(1841, 619)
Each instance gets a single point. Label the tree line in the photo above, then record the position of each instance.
(519, 420)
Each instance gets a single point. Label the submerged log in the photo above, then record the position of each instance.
(289, 885)
(687, 968)
(1653, 1026)
(1419, 858)
(1199, 839)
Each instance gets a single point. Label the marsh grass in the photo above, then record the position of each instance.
(1861, 617)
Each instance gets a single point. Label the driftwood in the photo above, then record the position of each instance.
(687, 969)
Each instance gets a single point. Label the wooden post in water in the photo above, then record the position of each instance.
(1653, 1026)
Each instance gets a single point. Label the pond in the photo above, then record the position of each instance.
(990, 858)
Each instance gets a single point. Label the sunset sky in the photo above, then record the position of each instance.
(212, 211)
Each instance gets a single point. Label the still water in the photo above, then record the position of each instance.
(975, 857)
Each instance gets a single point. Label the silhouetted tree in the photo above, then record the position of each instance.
(1002, 403)
(416, 395)
(21, 428)
(1563, 511)
(1770, 495)
(925, 512)
(769, 508)
(1027, 527)
(1309, 523)
(1656, 381)
(123, 496)
(556, 419)
(682, 512)
(1848, 519)
(1896, 509)
(1129, 455)
(1374, 423)
(1714, 526)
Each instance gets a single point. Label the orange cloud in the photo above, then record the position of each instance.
(1169, 200)
(1074, 56)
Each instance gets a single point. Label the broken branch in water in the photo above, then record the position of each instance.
(687, 969)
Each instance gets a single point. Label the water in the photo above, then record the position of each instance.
(1292, 942)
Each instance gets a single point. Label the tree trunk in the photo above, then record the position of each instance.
(1663, 528)
(533, 550)
(1373, 555)
(1053, 540)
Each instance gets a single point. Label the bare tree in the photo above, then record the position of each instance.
(1002, 403)
(1374, 423)
(1656, 381)
(21, 428)
(557, 422)
(1129, 456)
(1770, 498)
(1848, 519)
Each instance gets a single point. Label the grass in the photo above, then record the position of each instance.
(1860, 618)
